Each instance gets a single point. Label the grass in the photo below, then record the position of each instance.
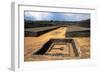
(77, 28)
(40, 28)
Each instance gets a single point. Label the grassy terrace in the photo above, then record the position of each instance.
(77, 31)
(77, 28)
(40, 28)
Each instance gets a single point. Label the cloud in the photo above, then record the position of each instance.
(57, 16)
(28, 16)
(37, 15)
(76, 16)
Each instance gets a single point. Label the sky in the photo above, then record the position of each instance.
(55, 16)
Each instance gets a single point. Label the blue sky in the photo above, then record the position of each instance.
(56, 16)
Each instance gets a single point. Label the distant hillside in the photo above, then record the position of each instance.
(32, 24)
(85, 23)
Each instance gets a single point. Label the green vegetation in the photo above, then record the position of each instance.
(34, 24)
(40, 28)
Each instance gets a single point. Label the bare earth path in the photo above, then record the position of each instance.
(31, 44)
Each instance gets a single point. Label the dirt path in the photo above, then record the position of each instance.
(33, 43)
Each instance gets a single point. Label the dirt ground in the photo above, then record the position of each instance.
(32, 44)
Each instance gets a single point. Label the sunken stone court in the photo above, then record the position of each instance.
(64, 47)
